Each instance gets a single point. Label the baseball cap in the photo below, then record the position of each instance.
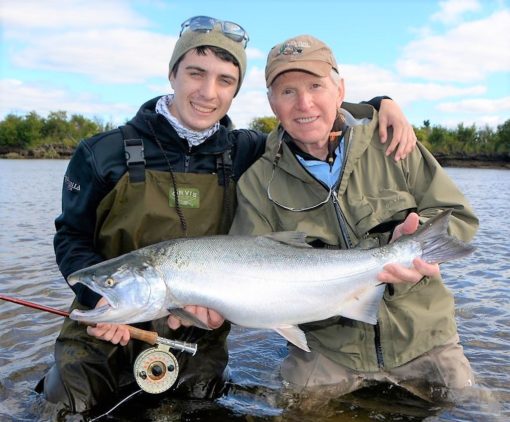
(305, 53)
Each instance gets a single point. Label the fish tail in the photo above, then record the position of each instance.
(437, 245)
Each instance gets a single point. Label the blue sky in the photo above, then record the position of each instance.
(445, 61)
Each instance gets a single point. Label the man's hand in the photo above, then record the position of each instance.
(208, 316)
(404, 137)
(114, 333)
(396, 273)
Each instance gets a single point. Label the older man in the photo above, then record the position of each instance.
(324, 172)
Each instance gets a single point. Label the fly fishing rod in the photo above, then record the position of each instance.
(155, 369)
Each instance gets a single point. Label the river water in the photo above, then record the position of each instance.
(29, 202)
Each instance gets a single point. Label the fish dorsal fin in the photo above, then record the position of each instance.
(294, 335)
(364, 305)
(188, 317)
(291, 238)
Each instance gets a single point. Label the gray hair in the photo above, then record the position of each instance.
(334, 75)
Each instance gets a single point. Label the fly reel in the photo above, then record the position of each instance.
(156, 369)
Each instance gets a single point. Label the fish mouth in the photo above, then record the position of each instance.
(105, 314)
(92, 315)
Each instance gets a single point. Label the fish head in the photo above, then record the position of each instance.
(133, 288)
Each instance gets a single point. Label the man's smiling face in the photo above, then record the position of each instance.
(204, 86)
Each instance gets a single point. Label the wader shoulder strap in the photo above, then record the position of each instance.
(133, 149)
(224, 167)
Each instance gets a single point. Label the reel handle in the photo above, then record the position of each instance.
(152, 338)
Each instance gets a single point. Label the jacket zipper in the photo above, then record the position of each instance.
(187, 159)
(338, 210)
(348, 244)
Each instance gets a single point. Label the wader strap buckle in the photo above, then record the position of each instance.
(224, 168)
(133, 149)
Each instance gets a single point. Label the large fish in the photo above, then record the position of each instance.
(274, 281)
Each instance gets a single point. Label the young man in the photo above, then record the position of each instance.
(170, 172)
(325, 173)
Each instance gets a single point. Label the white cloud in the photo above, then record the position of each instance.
(469, 52)
(363, 82)
(19, 16)
(477, 106)
(475, 111)
(451, 10)
(479, 121)
(108, 55)
(104, 40)
(255, 53)
(43, 99)
(247, 106)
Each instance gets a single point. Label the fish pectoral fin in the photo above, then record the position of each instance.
(364, 305)
(295, 335)
(291, 238)
(188, 317)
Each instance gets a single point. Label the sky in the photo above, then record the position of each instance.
(443, 61)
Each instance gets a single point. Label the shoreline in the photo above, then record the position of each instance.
(484, 161)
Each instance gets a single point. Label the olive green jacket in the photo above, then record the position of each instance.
(374, 194)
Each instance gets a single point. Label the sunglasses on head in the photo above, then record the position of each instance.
(205, 24)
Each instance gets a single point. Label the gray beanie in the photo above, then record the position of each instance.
(193, 39)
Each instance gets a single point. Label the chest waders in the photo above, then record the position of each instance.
(141, 210)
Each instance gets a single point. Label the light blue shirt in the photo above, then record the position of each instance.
(322, 171)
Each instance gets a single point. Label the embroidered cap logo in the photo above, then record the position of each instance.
(293, 48)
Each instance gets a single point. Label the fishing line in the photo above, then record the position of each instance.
(117, 405)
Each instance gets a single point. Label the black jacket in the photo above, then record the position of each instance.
(99, 162)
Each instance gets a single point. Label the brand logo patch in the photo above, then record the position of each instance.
(188, 197)
(70, 185)
(294, 48)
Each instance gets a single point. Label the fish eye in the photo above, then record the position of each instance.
(109, 282)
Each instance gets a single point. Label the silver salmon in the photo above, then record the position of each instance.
(275, 281)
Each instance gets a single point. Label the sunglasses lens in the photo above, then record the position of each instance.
(204, 23)
(234, 31)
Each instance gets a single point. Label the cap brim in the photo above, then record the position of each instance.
(315, 67)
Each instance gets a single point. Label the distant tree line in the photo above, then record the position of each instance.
(438, 139)
(58, 134)
(46, 137)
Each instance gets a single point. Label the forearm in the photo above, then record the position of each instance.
(75, 226)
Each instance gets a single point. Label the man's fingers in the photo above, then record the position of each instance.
(215, 319)
(395, 273)
(114, 333)
(173, 322)
(397, 139)
(426, 269)
(383, 129)
(408, 143)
